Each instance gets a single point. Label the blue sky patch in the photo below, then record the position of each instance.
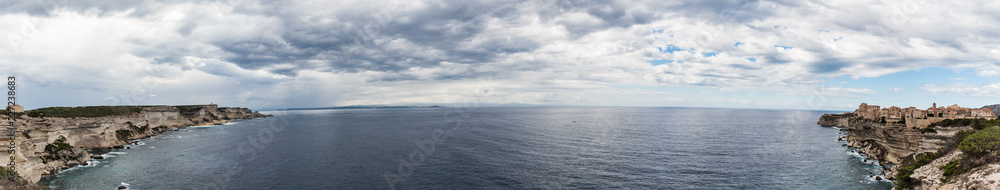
(783, 47)
(660, 62)
(709, 54)
(752, 59)
(670, 49)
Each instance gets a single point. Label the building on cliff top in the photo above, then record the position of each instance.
(875, 112)
(15, 108)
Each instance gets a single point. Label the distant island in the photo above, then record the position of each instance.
(361, 107)
(56, 138)
(938, 147)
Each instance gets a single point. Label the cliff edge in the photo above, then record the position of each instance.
(890, 142)
(926, 149)
(49, 143)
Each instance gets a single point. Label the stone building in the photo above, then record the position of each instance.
(895, 114)
(15, 108)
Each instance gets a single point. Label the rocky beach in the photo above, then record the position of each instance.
(46, 144)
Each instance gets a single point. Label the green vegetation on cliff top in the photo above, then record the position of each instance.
(903, 179)
(84, 111)
(980, 146)
(189, 108)
(99, 111)
(978, 123)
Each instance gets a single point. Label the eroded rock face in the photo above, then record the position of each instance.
(890, 142)
(886, 142)
(102, 132)
(899, 144)
(983, 177)
(930, 174)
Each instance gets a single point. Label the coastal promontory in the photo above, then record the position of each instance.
(935, 148)
(55, 138)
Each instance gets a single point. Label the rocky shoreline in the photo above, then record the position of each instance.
(46, 145)
(900, 144)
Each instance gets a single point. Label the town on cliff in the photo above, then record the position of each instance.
(934, 148)
(895, 114)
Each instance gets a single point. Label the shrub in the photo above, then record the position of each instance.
(959, 136)
(984, 123)
(927, 158)
(54, 148)
(951, 169)
(57, 146)
(189, 108)
(84, 111)
(34, 113)
(4, 173)
(982, 142)
(124, 133)
(978, 123)
(928, 129)
(903, 177)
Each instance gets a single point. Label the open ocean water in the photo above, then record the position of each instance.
(492, 148)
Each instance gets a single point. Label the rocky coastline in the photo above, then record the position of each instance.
(900, 144)
(46, 145)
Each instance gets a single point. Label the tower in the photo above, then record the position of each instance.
(934, 105)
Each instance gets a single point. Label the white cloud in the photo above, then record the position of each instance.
(847, 91)
(962, 89)
(989, 73)
(896, 89)
(379, 52)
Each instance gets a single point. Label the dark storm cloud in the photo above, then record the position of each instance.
(356, 42)
(730, 11)
(363, 39)
(48, 8)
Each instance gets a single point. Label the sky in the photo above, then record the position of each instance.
(812, 55)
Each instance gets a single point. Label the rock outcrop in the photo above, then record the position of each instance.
(899, 144)
(889, 142)
(46, 145)
(930, 174)
(983, 177)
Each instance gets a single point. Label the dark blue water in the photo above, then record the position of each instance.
(492, 148)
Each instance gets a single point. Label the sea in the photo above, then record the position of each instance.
(472, 147)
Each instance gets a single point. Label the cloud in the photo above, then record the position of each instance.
(847, 91)
(382, 52)
(989, 73)
(962, 89)
(896, 89)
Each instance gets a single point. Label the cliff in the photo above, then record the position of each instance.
(47, 144)
(890, 142)
(899, 144)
